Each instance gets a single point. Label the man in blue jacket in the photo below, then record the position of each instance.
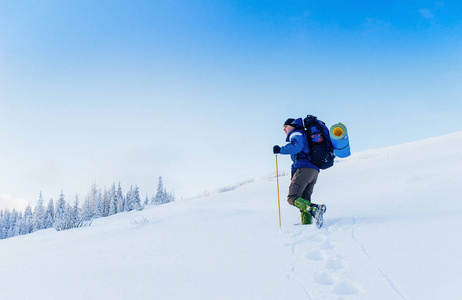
(304, 173)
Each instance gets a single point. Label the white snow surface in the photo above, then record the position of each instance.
(392, 231)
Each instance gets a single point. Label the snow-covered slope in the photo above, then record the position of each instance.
(392, 231)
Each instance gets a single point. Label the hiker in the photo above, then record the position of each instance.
(304, 172)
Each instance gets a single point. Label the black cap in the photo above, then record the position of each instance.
(289, 122)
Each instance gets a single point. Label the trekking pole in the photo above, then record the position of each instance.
(277, 180)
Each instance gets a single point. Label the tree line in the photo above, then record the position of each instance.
(63, 215)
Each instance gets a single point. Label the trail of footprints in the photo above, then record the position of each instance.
(331, 272)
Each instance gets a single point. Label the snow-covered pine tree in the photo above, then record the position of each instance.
(136, 200)
(162, 196)
(120, 199)
(50, 214)
(106, 202)
(29, 224)
(13, 223)
(159, 197)
(129, 200)
(39, 217)
(93, 198)
(4, 223)
(19, 227)
(68, 218)
(87, 211)
(170, 196)
(77, 217)
(146, 201)
(60, 213)
(166, 196)
(99, 206)
(113, 206)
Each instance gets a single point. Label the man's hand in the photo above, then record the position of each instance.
(276, 149)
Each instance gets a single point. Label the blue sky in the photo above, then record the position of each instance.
(197, 91)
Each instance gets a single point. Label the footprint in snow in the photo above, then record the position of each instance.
(315, 255)
(325, 279)
(335, 263)
(328, 245)
(345, 288)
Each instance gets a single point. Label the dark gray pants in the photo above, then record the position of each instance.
(302, 185)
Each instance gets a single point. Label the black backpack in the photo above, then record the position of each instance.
(321, 149)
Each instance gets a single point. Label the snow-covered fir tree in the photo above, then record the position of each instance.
(170, 196)
(50, 214)
(13, 223)
(99, 212)
(28, 222)
(93, 198)
(20, 226)
(39, 218)
(68, 218)
(60, 212)
(4, 223)
(87, 210)
(120, 199)
(159, 197)
(113, 205)
(76, 214)
(162, 196)
(136, 200)
(106, 202)
(128, 199)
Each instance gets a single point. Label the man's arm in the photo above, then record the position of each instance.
(295, 146)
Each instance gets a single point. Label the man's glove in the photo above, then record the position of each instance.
(276, 149)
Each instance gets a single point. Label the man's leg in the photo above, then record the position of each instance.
(316, 210)
(308, 191)
(302, 180)
(302, 185)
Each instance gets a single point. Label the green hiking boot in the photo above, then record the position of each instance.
(306, 218)
(302, 204)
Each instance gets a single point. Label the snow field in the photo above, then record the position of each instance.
(391, 231)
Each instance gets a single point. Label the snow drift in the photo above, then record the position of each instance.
(391, 231)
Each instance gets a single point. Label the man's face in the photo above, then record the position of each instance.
(287, 129)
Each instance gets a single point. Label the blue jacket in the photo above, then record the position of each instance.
(297, 147)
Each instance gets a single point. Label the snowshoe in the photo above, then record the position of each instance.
(318, 214)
